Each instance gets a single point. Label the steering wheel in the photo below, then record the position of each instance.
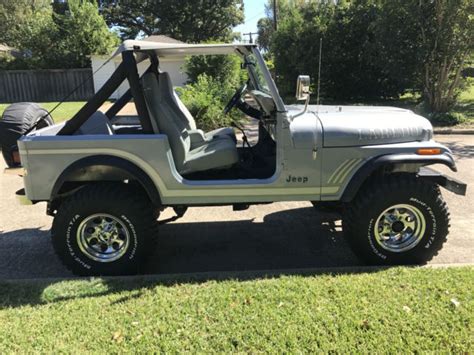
(235, 99)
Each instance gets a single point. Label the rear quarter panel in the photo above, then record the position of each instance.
(46, 157)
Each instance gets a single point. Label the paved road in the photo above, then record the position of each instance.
(276, 236)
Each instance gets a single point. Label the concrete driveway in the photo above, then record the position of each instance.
(288, 235)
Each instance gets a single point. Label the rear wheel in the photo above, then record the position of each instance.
(400, 220)
(104, 229)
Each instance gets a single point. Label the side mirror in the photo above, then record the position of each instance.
(302, 88)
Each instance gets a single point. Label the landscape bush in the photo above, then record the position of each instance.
(206, 98)
(212, 82)
(447, 118)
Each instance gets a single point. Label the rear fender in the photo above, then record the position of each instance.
(104, 168)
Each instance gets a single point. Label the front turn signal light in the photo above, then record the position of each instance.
(428, 151)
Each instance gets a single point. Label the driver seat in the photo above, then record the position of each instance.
(217, 153)
(186, 117)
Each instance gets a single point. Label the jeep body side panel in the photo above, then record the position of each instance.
(297, 175)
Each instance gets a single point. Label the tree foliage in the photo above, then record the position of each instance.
(187, 20)
(374, 48)
(14, 14)
(434, 39)
(351, 66)
(49, 40)
(265, 31)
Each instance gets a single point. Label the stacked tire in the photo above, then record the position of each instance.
(17, 120)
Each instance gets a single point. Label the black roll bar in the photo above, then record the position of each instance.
(137, 91)
(91, 106)
(126, 70)
(119, 104)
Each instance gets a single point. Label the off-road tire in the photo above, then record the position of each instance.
(128, 205)
(362, 214)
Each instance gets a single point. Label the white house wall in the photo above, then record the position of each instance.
(176, 71)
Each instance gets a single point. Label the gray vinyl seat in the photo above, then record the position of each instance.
(184, 114)
(190, 153)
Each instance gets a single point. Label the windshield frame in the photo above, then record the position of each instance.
(271, 88)
(257, 79)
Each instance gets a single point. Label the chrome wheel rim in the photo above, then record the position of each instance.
(103, 238)
(400, 228)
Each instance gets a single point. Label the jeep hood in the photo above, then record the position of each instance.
(345, 126)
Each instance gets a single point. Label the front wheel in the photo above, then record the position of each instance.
(104, 229)
(400, 220)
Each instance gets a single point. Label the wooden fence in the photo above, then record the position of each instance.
(45, 85)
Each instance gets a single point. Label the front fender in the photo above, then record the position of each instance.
(393, 160)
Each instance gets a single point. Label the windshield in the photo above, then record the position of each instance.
(256, 74)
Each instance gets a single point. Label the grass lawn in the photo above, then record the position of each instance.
(398, 310)
(466, 102)
(467, 96)
(62, 113)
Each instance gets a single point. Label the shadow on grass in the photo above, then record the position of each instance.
(292, 242)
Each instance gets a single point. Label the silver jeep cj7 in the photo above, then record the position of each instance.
(105, 184)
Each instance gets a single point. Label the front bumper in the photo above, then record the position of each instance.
(449, 183)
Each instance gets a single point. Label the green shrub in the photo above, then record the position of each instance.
(447, 118)
(213, 80)
(225, 68)
(206, 99)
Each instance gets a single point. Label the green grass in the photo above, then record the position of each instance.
(398, 310)
(62, 113)
(466, 102)
(467, 96)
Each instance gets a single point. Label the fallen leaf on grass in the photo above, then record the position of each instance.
(455, 302)
(117, 336)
